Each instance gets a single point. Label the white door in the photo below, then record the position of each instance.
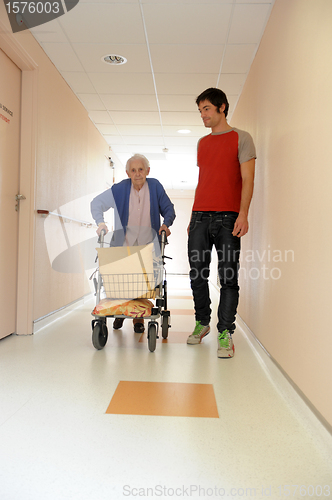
(10, 116)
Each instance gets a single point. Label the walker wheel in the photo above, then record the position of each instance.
(152, 337)
(99, 335)
(164, 327)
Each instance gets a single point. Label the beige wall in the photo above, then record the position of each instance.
(287, 106)
(70, 169)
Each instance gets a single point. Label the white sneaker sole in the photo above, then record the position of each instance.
(226, 353)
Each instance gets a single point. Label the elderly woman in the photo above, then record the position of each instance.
(138, 203)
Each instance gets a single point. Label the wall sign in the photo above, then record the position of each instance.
(5, 113)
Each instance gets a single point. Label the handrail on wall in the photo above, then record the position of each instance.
(45, 213)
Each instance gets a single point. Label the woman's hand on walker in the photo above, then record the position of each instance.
(164, 228)
(102, 226)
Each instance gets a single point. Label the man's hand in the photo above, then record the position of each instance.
(241, 225)
(100, 227)
(164, 228)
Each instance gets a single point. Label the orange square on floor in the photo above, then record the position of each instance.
(164, 399)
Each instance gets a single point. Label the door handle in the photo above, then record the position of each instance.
(18, 198)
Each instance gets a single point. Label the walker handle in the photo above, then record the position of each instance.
(163, 242)
(101, 237)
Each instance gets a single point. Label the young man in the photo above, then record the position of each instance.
(138, 204)
(226, 161)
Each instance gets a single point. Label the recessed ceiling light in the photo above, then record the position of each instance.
(184, 131)
(114, 59)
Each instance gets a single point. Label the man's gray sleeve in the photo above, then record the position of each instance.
(247, 150)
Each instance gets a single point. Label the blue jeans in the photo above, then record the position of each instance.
(208, 229)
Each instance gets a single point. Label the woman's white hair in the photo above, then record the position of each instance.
(142, 158)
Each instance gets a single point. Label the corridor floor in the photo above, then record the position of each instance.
(81, 424)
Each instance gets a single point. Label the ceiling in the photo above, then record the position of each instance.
(174, 51)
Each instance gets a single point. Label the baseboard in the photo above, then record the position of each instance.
(42, 322)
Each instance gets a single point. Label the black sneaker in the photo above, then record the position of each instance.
(117, 323)
(139, 327)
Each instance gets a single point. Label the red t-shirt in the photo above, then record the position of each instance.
(219, 157)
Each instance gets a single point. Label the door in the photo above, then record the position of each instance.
(10, 116)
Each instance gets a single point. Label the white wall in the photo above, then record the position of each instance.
(287, 106)
(178, 240)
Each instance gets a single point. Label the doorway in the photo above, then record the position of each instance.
(10, 124)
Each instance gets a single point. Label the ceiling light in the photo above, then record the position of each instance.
(114, 59)
(184, 131)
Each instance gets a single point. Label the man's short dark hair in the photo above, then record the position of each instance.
(216, 97)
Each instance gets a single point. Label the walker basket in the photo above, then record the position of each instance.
(129, 286)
